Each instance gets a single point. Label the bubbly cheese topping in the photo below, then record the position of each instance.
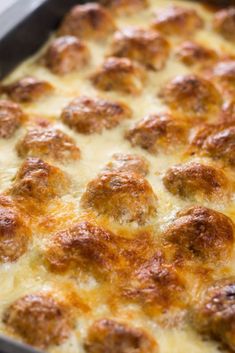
(28, 274)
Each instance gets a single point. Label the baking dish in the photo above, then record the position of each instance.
(20, 36)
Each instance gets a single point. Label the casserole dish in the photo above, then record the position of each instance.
(18, 42)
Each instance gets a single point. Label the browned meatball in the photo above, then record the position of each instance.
(175, 20)
(48, 142)
(66, 54)
(214, 316)
(84, 245)
(128, 163)
(119, 74)
(224, 23)
(157, 131)
(192, 53)
(89, 21)
(109, 336)
(202, 233)
(124, 197)
(196, 180)
(145, 46)
(192, 97)
(39, 180)
(39, 319)
(10, 118)
(125, 6)
(14, 231)
(91, 115)
(223, 74)
(28, 89)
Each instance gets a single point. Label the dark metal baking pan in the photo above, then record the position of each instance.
(24, 27)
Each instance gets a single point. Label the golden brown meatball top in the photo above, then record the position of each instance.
(119, 74)
(88, 21)
(11, 116)
(223, 75)
(128, 163)
(145, 46)
(92, 115)
(224, 23)
(39, 320)
(109, 336)
(66, 54)
(123, 197)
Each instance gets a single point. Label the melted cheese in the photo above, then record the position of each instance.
(28, 274)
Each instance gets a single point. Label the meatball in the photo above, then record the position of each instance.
(85, 246)
(48, 142)
(14, 231)
(92, 115)
(214, 316)
(124, 197)
(10, 118)
(145, 46)
(125, 6)
(192, 97)
(224, 23)
(66, 54)
(157, 131)
(39, 180)
(191, 53)
(88, 21)
(175, 20)
(201, 233)
(39, 320)
(119, 74)
(195, 180)
(128, 163)
(28, 89)
(223, 74)
(109, 336)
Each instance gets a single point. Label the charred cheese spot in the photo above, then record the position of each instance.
(192, 97)
(125, 6)
(224, 23)
(14, 231)
(38, 180)
(10, 118)
(124, 197)
(47, 142)
(66, 54)
(92, 115)
(145, 46)
(196, 180)
(109, 336)
(119, 74)
(28, 89)
(223, 74)
(194, 54)
(177, 21)
(39, 320)
(157, 131)
(128, 163)
(201, 233)
(89, 21)
(214, 316)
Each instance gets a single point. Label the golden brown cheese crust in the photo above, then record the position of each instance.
(89, 21)
(123, 197)
(125, 6)
(121, 75)
(201, 233)
(128, 163)
(11, 116)
(109, 336)
(39, 319)
(224, 23)
(92, 115)
(145, 46)
(47, 143)
(192, 97)
(66, 54)
(177, 21)
(157, 131)
(223, 75)
(196, 180)
(28, 89)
